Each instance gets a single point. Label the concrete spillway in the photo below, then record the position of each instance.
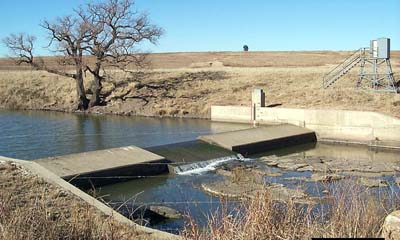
(193, 157)
(121, 164)
(108, 166)
(189, 152)
(261, 139)
(105, 166)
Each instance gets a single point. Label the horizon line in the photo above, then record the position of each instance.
(227, 51)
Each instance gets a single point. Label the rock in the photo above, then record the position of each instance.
(317, 177)
(281, 193)
(272, 163)
(166, 212)
(225, 173)
(272, 174)
(391, 226)
(239, 190)
(289, 166)
(305, 169)
(269, 158)
(368, 182)
(367, 174)
(286, 160)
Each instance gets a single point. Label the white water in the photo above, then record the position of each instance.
(207, 166)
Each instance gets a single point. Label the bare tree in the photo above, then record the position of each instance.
(109, 30)
(69, 36)
(21, 46)
(115, 31)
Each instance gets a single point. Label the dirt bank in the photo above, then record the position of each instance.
(187, 84)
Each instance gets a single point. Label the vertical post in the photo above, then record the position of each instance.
(376, 79)
(361, 74)
(257, 101)
(389, 74)
(362, 65)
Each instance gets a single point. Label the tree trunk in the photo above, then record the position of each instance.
(82, 101)
(95, 100)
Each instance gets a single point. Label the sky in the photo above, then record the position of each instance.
(226, 25)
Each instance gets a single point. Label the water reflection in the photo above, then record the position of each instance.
(33, 134)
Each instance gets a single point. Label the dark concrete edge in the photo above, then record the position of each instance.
(339, 141)
(258, 147)
(52, 178)
(373, 144)
(242, 130)
(255, 147)
(102, 177)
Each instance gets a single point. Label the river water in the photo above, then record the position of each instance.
(32, 135)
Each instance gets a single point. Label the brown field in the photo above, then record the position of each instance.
(187, 84)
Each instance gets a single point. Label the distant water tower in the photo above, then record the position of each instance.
(375, 69)
(245, 48)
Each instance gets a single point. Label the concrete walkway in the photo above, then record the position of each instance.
(98, 166)
(261, 139)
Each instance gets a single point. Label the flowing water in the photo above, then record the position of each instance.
(31, 135)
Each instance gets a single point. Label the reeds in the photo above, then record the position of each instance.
(351, 211)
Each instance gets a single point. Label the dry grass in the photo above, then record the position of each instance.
(30, 208)
(353, 212)
(229, 59)
(186, 85)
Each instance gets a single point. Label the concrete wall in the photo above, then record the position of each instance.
(328, 124)
(231, 114)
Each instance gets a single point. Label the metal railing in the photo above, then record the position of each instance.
(341, 69)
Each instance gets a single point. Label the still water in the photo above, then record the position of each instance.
(32, 134)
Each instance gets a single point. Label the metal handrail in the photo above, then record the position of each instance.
(351, 56)
(344, 65)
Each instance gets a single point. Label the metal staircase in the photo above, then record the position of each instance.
(340, 70)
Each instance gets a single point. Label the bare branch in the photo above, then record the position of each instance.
(21, 47)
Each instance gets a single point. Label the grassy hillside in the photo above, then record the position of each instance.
(187, 84)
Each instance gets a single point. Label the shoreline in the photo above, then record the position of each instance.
(91, 113)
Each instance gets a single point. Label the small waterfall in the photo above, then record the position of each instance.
(205, 166)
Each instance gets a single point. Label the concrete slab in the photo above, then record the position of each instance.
(261, 139)
(100, 166)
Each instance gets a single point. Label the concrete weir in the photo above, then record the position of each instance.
(261, 139)
(101, 167)
(333, 126)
